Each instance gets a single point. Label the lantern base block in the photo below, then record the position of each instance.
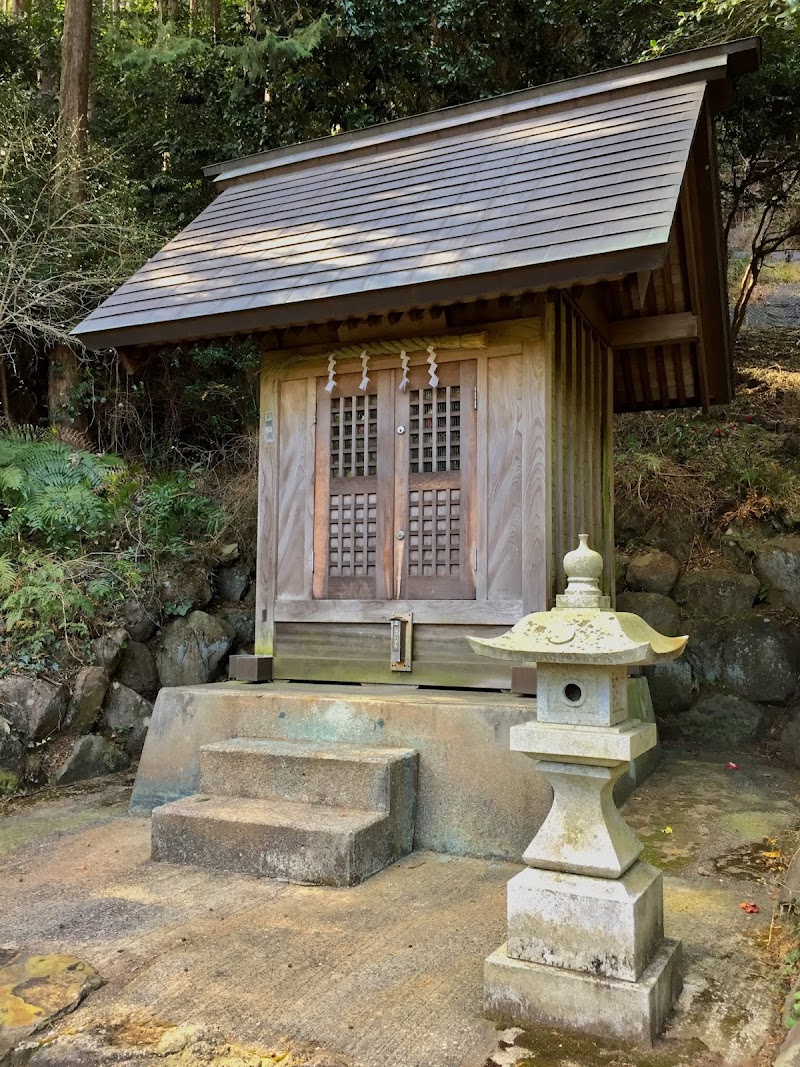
(518, 993)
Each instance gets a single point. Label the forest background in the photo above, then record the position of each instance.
(108, 111)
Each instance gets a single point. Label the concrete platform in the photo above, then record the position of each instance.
(475, 796)
(389, 973)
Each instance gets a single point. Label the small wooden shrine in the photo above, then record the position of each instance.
(451, 307)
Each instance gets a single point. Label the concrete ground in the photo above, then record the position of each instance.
(203, 967)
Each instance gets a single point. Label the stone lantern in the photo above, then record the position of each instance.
(586, 948)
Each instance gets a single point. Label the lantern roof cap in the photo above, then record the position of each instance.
(582, 628)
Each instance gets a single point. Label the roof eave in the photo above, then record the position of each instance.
(448, 291)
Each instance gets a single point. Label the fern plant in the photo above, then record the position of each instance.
(52, 491)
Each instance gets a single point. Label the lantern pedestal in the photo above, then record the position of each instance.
(519, 993)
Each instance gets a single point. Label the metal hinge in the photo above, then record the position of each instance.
(474, 559)
(475, 398)
(315, 414)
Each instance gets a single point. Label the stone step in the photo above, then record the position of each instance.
(311, 844)
(308, 772)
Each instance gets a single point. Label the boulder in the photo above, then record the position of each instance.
(778, 566)
(655, 608)
(134, 742)
(192, 650)
(12, 759)
(704, 650)
(723, 718)
(140, 621)
(137, 669)
(35, 708)
(243, 621)
(232, 583)
(653, 571)
(716, 593)
(181, 593)
(621, 563)
(88, 693)
(674, 533)
(760, 659)
(671, 687)
(124, 709)
(108, 648)
(790, 742)
(91, 757)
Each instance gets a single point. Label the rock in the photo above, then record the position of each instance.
(125, 709)
(704, 651)
(12, 760)
(723, 718)
(790, 742)
(228, 554)
(34, 707)
(243, 621)
(653, 571)
(716, 594)
(134, 743)
(88, 693)
(137, 669)
(180, 594)
(655, 608)
(621, 563)
(671, 687)
(91, 757)
(108, 649)
(192, 650)
(37, 990)
(778, 566)
(760, 659)
(140, 621)
(232, 584)
(673, 534)
(789, 1052)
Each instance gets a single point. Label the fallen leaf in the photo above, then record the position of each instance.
(771, 855)
(749, 907)
(667, 830)
(733, 766)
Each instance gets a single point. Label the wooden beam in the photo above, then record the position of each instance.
(655, 330)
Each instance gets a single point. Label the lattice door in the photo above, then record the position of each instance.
(437, 500)
(354, 482)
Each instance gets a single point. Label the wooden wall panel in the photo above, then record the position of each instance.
(267, 533)
(582, 395)
(360, 652)
(501, 402)
(296, 474)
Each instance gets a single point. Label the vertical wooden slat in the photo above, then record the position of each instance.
(322, 476)
(579, 438)
(482, 479)
(560, 444)
(536, 357)
(399, 506)
(569, 432)
(267, 531)
(608, 478)
(591, 424)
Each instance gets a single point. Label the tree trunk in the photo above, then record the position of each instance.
(73, 95)
(214, 12)
(173, 10)
(192, 16)
(63, 377)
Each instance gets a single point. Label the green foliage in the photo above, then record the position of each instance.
(54, 492)
(81, 533)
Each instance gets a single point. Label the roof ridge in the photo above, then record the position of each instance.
(715, 61)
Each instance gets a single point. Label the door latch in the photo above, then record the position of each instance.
(400, 641)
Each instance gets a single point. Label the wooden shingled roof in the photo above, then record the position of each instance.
(570, 183)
